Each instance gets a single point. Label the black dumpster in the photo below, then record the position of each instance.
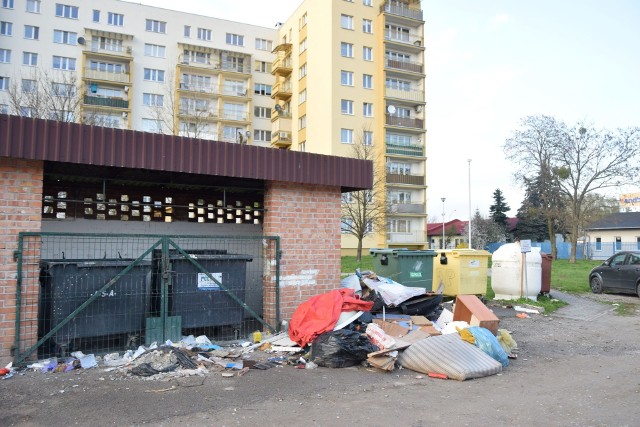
(67, 284)
(199, 300)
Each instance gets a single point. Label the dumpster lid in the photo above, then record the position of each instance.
(209, 257)
(88, 263)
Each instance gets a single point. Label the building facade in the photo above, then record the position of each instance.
(335, 74)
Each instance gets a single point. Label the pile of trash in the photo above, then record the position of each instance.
(376, 321)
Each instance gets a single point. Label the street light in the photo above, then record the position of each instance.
(469, 227)
(442, 243)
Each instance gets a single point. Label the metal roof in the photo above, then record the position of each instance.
(54, 141)
(617, 221)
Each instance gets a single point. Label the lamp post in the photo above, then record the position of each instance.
(469, 227)
(442, 244)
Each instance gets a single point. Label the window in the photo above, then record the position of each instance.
(110, 67)
(4, 83)
(28, 86)
(6, 28)
(5, 55)
(7, 4)
(303, 45)
(151, 125)
(397, 56)
(346, 136)
(31, 32)
(153, 75)
(399, 197)
(346, 50)
(598, 243)
(187, 31)
(638, 243)
(65, 37)
(262, 112)
(346, 22)
(104, 120)
(346, 78)
(30, 58)
(262, 135)
(204, 34)
(302, 71)
(106, 43)
(33, 6)
(367, 81)
(116, 19)
(194, 56)
(302, 122)
(398, 139)
(96, 15)
(263, 44)
(64, 63)
(154, 50)
(303, 20)
(263, 66)
(399, 168)
(346, 106)
(235, 39)
(262, 89)
(302, 96)
(393, 32)
(152, 100)
(367, 137)
(4, 109)
(156, 26)
(66, 11)
(366, 2)
(392, 83)
(367, 109)
(618, 243)
(26, 111)
(63, 89)
(367, 53)
(367, 26)
(346, 224)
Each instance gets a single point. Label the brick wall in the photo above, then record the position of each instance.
(307, 220)
(20, 207)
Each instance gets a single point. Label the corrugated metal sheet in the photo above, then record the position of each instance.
(37, 139)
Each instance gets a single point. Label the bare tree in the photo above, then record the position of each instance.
(532, 149)
(365, 212)
(39, 94)
(485, 231)
(590, 160)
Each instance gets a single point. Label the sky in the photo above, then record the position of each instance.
(491, 63)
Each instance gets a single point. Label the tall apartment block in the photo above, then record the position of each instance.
(334, 74)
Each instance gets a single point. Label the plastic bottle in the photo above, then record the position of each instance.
(257, 336)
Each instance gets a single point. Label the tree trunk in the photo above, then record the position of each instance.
(574, 242)
(359, 251)
(552, 238)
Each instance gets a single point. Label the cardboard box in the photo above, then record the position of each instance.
(470, 309)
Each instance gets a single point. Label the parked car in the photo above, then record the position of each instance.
(620, 273)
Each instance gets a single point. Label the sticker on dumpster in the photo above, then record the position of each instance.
(417, 266)
(206, 284)
(415, 274)
(474, 263)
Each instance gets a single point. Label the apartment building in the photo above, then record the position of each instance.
(335, 74)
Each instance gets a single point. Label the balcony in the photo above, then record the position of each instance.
(282, 65)
(109, 49)
(203, 89)
(281, 139)
(281, 90)
(407, 208)
(106, 102)
(413, 40)
(198, 114)
(413, 67)
(405, 95)
(236, 68)
(236, 116)
(282, 114)
(396, 178)
(404, 122)
(405, 150)
(235, 91)
(200, 63)
(397, 8)
(408, 237)
(107, 76)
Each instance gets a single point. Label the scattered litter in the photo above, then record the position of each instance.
(162, 390)
(522, 316)
(527, 309)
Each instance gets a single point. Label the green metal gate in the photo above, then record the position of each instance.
(101, 293)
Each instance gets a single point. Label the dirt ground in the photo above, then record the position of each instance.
(569, 372)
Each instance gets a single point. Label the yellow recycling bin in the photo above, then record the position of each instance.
(461, 271)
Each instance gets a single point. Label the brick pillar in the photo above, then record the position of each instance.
(20, 210)
(307, 220)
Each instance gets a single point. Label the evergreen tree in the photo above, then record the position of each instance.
(532, 223)
(498, 210)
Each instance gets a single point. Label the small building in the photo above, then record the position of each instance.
(613, 233)
(454, 231)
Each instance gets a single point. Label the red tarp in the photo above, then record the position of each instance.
(320, 313)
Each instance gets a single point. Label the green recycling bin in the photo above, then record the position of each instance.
(407, 267)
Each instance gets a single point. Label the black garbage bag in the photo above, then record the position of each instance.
(341, 348)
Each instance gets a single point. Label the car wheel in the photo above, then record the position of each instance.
(638, 288)
(596, 285)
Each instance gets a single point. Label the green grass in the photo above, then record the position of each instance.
(349, 264)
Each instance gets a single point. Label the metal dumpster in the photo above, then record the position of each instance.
(66, 284)
(409, 268)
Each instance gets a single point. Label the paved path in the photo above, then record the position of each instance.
(579, 308)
